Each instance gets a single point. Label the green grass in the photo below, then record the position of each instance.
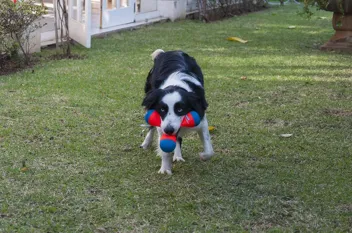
(76, 124)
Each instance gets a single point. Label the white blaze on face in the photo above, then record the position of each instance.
(177, 79)
(171, 119)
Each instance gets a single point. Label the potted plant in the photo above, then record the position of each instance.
(341, 22)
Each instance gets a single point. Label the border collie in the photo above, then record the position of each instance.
(174, 87)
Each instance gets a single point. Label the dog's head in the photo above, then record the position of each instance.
(173, 103)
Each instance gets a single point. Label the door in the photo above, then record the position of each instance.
(116, 12)
(79, 21)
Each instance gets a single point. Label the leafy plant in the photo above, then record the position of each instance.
(329, 5)
(210, 10)
(18, 21)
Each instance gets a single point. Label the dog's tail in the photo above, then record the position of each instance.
(156, 53)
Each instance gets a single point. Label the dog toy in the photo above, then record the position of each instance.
(168, 142)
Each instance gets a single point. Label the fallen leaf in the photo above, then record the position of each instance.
(211, 128)
(286, 135)
(291, 27)
(237, 39)
(127, 149)
(24, 169)
(321, 17)
(243, 77)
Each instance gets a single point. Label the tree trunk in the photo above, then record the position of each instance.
(65, 16)
(55, 25)
(203, 11)
(25, 54)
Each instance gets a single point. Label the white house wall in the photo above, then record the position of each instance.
(149, 11)
(173, 9)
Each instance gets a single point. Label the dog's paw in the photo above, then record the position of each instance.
(178, 159)
(144, 146)
(164, 171)
(206, 155)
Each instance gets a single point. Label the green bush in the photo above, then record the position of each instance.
(17, 22)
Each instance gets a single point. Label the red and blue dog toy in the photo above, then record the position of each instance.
(168, 142)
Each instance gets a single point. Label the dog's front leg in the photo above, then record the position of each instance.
(166, 163)
(166, 158)
(177, 153)
(149, 138)
(205, 137)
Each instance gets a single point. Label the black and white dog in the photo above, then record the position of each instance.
(174, 87)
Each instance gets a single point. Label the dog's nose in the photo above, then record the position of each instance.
(169, 130)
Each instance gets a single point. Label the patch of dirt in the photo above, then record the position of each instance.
(242, 104)
(8, 66)
(5, 215)
(276, 123)
(346, 208)
(337, 112)
(220, 13)
(261, 226)
(72, 56)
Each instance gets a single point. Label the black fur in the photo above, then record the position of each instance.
(165, 64)
(179, 139)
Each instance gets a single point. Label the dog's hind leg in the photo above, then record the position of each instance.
(148, 139)
(205, 137)
(177, 153)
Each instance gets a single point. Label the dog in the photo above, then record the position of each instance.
(173, 88)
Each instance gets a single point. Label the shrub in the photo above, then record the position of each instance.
(211, 10)
(17, 22)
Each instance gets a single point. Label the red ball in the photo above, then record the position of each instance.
(191, 119)
(167, 143)
(152, 117)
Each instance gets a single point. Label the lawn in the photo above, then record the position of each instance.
(75, 126)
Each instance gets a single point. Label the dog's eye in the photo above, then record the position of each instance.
(179, 110)
(162, 110)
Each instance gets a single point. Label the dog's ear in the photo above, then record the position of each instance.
(152, 98)
(197, 102)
